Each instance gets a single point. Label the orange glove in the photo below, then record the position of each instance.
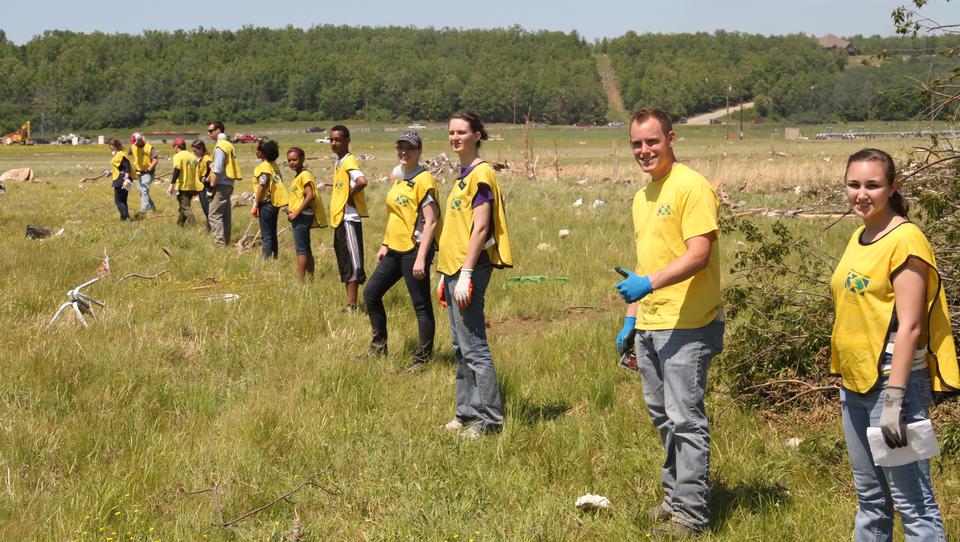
(441, 294)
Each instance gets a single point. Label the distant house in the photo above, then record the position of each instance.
(830, 41)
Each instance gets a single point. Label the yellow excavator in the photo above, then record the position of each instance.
(20, 136)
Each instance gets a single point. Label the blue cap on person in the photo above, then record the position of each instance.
(412, 138)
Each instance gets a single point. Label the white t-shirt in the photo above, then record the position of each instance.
(350, 213)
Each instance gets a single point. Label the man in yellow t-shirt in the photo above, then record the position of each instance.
(185, 181)
(674, 317)
(145, 161)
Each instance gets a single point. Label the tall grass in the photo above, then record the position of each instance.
(171, 413)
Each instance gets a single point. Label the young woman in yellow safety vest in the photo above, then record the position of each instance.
(474, 240)
(892, 346)
(304, 211)
(122, 173)
(413, 218)
(204, 161)
(270, 196)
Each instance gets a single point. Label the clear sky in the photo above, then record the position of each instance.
(21, 20)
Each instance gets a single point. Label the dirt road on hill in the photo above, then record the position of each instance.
(705, 118)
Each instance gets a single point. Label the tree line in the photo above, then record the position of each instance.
(65, 80)
(789, 77)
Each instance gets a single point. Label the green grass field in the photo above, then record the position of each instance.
(171, 414)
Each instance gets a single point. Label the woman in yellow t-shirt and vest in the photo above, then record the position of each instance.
(892, 346)
(270, 196)
(204, 162)
(304, 210)
(474, 240)
(413, 218)
(122, 173)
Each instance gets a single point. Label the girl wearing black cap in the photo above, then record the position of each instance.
(409, 242)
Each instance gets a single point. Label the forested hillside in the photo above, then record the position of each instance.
(71, 80)
(790, 77)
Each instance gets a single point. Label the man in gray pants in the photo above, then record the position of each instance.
(225, 172)
(145, 160)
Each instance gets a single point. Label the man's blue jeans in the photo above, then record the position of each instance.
(881, 489)
(143, 184)
(478, 394)
(673, 368)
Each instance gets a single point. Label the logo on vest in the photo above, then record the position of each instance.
(462, 184)
(402, 201)
(855, 283)
(456, 204)
(339, 185)
(663, 210)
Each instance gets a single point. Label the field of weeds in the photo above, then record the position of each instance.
(179, 416)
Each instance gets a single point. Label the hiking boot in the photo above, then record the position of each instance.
(418, 362)
(471, 433)
(671, 530)
(659, 513)
(374, 352)
(454, 425)
(351, 309)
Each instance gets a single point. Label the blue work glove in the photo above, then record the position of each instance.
(628, 324)
(635, 287)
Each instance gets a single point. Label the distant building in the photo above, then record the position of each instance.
(829, 41)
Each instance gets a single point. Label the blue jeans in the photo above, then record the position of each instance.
(143, 184)
(268, 229)
(478, 394)
(673, 368)
(881, 489)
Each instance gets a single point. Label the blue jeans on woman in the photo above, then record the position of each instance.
(907, 488)
(393, 267)
(478, 394)
(268, 229)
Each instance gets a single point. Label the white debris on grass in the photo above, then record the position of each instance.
(793, 442)
(564, 234)
(578, 203)
(593, 502)
(598, 203)
(545, 247)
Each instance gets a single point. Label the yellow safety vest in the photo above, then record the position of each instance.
(341, 191)
(296, 194)
(189, 179)
(141, 157)
(458, 223)
(403, 208)
(115, 166)
(275, 189)
(204, 167)
(231, 168)
(863, 296)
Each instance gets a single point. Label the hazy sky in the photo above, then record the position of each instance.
(592, 19)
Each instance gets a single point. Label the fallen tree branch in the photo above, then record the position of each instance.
(285, 497)
(145, 277)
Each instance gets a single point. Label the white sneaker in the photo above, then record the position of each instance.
(453, 425)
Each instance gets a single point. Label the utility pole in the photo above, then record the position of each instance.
(741, 118)
(727, 126)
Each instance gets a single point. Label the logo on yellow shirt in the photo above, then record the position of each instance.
(456, 204)
(663, 210)
(855, 283)
(339, 186)
(402, 201)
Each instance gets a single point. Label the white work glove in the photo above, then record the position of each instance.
(464, 288)
(892, 426)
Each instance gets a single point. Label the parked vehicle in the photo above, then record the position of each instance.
(246, 138)
(316, 130)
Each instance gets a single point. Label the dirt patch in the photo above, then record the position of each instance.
(531, 324)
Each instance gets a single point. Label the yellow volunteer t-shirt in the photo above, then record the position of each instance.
(276, 192)
(115, 163)
(863, 297)
(666, 213)
(296, 194)
(141, 157)
(458, 223)
(205, 164)
(189, 178)
(404, 201)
